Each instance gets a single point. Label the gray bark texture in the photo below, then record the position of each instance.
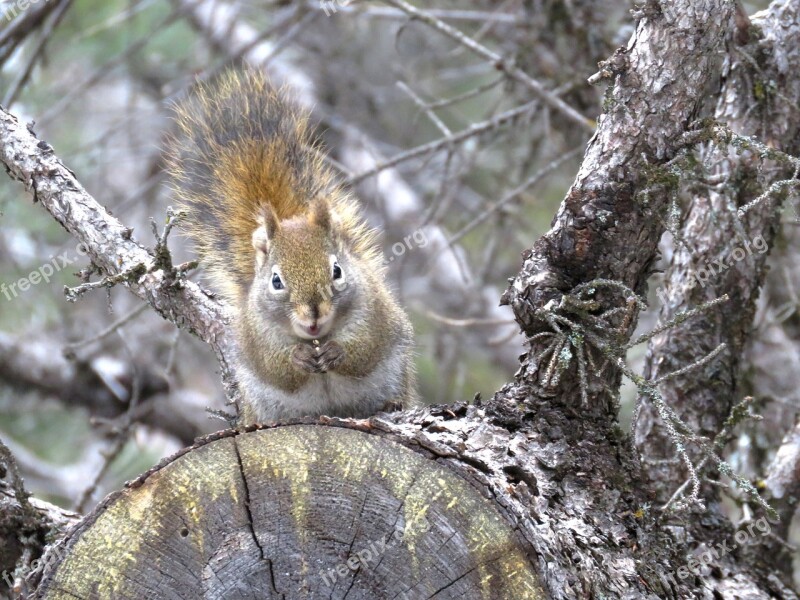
(758, 99)
(27, 525)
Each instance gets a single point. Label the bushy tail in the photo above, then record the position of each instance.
(240, 144)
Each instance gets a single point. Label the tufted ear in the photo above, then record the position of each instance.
(320, 214)
(268, 226)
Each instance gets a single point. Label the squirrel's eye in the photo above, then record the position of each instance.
(337, 271)
(277, 282)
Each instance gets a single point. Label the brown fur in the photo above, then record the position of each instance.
(243, 147)
(262, 204)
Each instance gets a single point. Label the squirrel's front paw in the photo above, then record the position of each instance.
(330, 356)
(305, 358)
(317, 359)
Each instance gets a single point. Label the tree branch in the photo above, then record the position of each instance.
(109, 244)
(498, 62)
(727, 252)
(26, 524)
(102, 384)
(609, 225)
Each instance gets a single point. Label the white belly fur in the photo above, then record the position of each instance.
(328, 394)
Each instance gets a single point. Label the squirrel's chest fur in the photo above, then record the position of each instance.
(328, 394)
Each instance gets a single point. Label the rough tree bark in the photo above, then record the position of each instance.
(563, 479)
(27, 524)
(759, 100)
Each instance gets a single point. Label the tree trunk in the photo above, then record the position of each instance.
(298, 511)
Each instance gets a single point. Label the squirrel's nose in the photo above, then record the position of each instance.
(313, 329)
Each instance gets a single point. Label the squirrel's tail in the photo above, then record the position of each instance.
(240, 145)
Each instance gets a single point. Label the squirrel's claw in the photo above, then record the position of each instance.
(318, 359)
(330, 355)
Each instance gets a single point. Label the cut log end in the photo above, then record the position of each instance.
(302, 511)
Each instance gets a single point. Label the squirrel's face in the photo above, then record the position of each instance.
(302, 280)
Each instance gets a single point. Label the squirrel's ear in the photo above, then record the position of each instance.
(320, 214)
(268, 226)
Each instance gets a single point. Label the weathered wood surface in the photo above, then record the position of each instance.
(297, 511)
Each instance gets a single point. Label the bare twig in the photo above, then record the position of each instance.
(108, 242)
(122, 433)
(467, 322)
(497, 62)
(72, 346)
(513, 194)
(446, 142)
(44, 36)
